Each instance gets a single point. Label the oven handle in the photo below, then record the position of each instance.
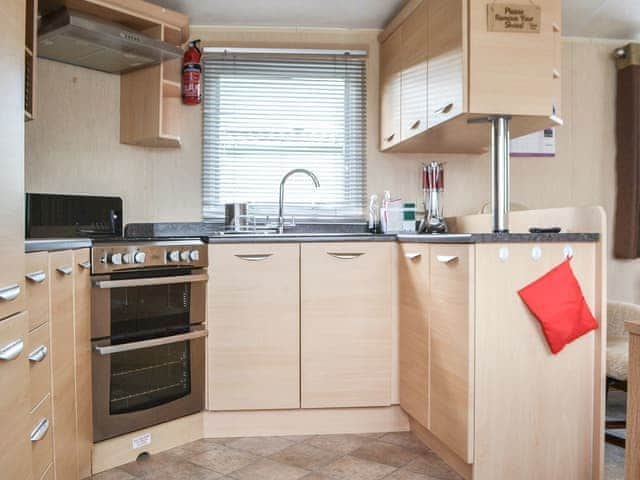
(143, 282)
(154, 342)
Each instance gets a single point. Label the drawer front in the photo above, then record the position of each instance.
(41, 445)
(39, 355)
(37, 286)
(451, 333)
(14, 398)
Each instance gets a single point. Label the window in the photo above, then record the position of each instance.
(266, 115)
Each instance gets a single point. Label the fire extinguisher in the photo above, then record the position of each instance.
(191, 74)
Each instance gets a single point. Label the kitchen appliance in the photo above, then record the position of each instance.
(433, 188)
(79, 39)
(148, 333)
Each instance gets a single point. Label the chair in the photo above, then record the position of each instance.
(618, 357)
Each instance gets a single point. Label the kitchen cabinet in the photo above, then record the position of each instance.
(451, 341)
(15, 448)
(254, 327)
(390, 88)
(37, 288)
(346, 322)
(63, 384)
(41, 438)
(82, 325)
(12, 25)
(470, 73)
(39, 353)
(413, 275)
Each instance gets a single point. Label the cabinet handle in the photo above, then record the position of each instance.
(446, 109)
(85, 265)
(345, 256)
(38, 354)
(10, 293)
(11, 351)
(412, 256)
(65, 270)
(390, 137)
(255, 258)
(36, 277)
(447, 258)
(556, 27)
(416, 124)
(40, 431)
(556, 73)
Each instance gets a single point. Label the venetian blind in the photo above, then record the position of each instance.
(266, 115)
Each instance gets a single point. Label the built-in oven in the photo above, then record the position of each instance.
(148, 335)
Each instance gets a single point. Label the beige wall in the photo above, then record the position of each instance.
(73, 145)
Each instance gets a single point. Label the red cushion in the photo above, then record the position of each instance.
(557, 301)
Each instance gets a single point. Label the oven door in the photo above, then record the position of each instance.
(143, 383)
(148, 349)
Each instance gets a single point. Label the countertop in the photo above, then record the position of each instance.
(499, 237)
(55, 244)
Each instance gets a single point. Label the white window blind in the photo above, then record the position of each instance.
(266, 115)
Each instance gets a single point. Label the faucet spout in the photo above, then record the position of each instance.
(316, 182)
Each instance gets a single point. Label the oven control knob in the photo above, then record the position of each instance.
(126, 258)
(173, 256)
(139, 257)
(184, 256)
(115, 259)
(194, 255)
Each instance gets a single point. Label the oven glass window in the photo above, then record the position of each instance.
(144, 312)
(146, 378)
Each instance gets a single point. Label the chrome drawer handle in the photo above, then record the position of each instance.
(412, 256)
(65, 270)
(36, 277)
(447, 258)
(255, 258)
(40, 431)
(10, 293)
(345, 256)
(446, 109)
(85, 265)
(38, 354)
(11, 351)
(415, 125)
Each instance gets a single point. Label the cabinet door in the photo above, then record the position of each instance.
(38, 349)
(15, 449)
(346, 324)
(63, 366)
(41, 443)
(82, 322)
(414, 290)
(451, 347)
(446, 76)
(414, 72)
(254, 327)
(12, 25)
(390, 90)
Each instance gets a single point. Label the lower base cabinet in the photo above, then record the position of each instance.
(15, 448)
(346, 323)
(254, 327)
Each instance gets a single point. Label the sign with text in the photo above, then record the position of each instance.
(510, 17)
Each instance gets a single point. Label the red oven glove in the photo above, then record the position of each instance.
(557, 302)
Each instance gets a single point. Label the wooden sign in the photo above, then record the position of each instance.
(514, 18)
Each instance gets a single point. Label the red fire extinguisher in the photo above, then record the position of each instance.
(191, 73)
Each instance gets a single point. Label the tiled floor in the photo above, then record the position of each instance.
(390, 456)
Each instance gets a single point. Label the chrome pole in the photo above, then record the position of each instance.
(500, 175)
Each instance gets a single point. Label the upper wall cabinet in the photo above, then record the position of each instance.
(443, 65)
(149, 97)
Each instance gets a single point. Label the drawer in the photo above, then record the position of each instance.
(38, 352)
(37, 286)
(41, 447)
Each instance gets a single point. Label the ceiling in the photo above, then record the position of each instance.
(581, 18)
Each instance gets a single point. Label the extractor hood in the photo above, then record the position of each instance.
(80, 39)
